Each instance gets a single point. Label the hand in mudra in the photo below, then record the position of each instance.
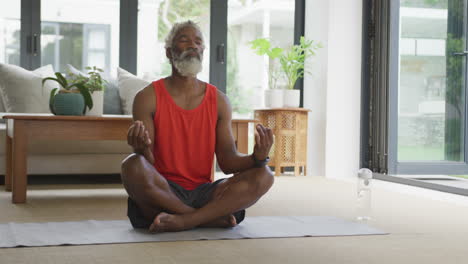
(263, 142)
(138, 137)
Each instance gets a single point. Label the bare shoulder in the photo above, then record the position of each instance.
(145, 102)
(224, 106)
(146, 97)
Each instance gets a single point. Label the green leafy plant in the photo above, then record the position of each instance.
(262, 46)
(69, 87)
(93, 81)
(292, 61)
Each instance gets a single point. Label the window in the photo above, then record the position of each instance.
(80, 33)
(431, 86)
(155, 19)
(10, 25)
(87, 33)
(247, 72)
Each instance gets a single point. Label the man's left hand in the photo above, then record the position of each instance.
(263, 142)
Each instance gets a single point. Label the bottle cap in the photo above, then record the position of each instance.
(365, 173)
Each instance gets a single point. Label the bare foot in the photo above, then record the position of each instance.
(165, 222)
(224, 221)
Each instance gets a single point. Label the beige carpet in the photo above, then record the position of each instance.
(423, 229)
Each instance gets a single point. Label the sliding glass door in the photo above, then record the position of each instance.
(247, 72)
(428, 110)
(10, 26)
(155, 19)
(84, 33)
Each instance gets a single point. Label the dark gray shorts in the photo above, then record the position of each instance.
(196, 198)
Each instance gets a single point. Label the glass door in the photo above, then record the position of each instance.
(80, 33)
(155, 19)
(247, 72)
(10, 32)
(431, 103)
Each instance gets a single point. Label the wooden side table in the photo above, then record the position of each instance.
(22, 128)
(289, 127)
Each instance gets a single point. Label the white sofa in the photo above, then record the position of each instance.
(77, 157)
(70, 157)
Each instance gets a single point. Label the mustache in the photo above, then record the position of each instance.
(187, 52)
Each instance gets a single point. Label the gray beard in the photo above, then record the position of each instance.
(188, 66)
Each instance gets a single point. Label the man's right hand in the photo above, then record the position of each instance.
(138, 138)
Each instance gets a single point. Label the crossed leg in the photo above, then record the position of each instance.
(152, 193)
(149, 189)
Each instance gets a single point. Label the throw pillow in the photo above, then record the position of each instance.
(112, 105)
(129, 85)
(2, 106)
(74, 70)
(21, 90)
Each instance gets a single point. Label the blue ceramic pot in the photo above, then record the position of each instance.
(68, 104)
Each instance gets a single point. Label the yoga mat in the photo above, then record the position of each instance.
(120, 231)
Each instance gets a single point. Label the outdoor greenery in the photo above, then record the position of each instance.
(238, 96)
(70, 45)
(420, 153)
(460, 176)
(440, 4)
(171, 11)
(454, 99)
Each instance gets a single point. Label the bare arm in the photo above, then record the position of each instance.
(229, 159)
(141, 133)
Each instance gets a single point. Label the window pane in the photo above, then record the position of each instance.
(96, 58)
(247, 72)
(97, 39)
(155, 19)
(431, 90)
(10, 25)
(80, 33)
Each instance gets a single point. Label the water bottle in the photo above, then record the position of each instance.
(364, 181)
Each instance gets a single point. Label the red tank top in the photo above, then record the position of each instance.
(184, 140)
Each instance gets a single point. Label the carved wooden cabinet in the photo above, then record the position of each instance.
(289, 127)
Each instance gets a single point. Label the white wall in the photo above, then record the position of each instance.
(333, 91)
(315, 85)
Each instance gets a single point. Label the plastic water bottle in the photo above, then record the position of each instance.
(364, 181)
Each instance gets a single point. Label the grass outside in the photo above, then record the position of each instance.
(460, 176)
(420, 153)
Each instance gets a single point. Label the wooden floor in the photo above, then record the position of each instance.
(425, 226)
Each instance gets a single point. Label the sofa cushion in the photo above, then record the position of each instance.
(129, 85)
(21, 90)
(2, 106)
(68, 147)
(51, 164)
(112, 104)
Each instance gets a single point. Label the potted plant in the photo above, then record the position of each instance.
(95, 85)
(292, 64)
(273, 96)
(72, 98)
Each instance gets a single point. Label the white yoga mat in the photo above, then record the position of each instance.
(105, 232)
